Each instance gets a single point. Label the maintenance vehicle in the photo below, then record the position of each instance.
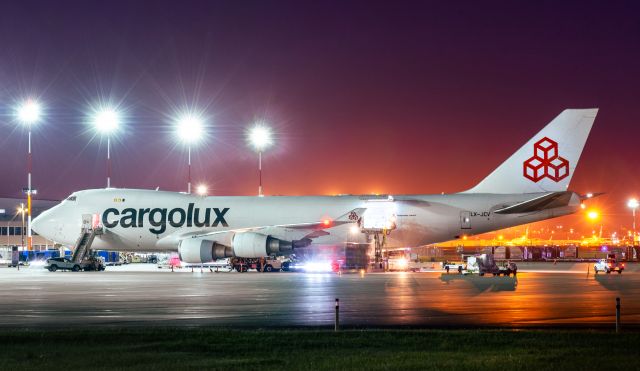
(608, 265)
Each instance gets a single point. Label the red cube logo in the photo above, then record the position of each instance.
(534, 169)
(558, 169)
(545, 162)
(546, 149)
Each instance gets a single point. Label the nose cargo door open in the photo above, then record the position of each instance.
(378, 220)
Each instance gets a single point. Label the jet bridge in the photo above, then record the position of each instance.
(90, 229)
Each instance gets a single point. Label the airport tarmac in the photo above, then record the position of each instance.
(143, 295)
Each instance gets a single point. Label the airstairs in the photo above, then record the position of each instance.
(83, 244)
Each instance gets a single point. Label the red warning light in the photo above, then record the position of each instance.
(326, 222)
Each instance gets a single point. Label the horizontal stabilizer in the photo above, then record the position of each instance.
(548, 201)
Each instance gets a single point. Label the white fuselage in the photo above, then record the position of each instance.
(147, 220)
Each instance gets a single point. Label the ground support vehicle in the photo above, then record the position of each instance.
(240, 264)
(608, 265)
(93, 263)
(455, 267)
(169, 263)
(485, 264)
(510, 268)
(89, 264)
(267, 264)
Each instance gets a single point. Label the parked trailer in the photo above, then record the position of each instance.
(218, 265)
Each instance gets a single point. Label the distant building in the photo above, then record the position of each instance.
(11, 228)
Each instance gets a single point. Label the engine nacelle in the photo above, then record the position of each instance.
(256, 245)
(197, 250)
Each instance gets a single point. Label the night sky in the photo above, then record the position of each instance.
(364, 97)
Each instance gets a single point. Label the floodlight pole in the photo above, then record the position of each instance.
(189, 171)
(29, 238)
(22, 229)
(108, 161)
(633, 212)
(260, 174)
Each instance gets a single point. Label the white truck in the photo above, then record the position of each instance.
(608, 265)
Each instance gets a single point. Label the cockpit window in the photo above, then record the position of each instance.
(71, 198)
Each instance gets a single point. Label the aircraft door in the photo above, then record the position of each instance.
(87, 221)
(465, 220)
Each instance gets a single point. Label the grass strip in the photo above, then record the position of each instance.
(229, 349)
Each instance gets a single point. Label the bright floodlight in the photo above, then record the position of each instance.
(260, 137)
(633, 203)
(106, 120)
(201, 189)
(190, 128)
(29, 112)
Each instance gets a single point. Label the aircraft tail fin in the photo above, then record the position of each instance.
(547, 161)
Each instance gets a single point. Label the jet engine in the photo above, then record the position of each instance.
(244, 245)
(197, 250)
(256, 245)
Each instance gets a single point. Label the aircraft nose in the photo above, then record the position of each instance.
(43, 225)
(37, 224)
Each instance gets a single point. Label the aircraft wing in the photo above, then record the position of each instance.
(297, 231)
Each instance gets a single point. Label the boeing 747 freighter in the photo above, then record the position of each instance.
(530, 186)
